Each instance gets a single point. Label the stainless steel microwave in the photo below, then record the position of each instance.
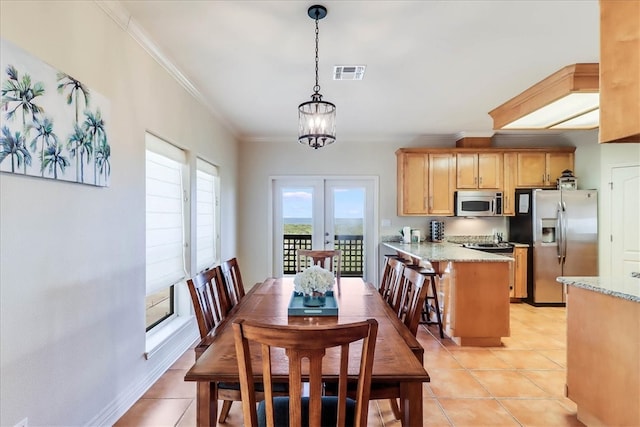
(478, 203)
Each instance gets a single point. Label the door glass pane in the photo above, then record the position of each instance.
(297, 215)
(348, 227)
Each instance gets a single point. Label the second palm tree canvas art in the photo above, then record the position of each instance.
(52, 125)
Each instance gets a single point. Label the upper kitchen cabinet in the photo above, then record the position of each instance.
(426, 183)
(619, 71)
(412, 183)
(542, 169)
(479, 170)
(441, 183)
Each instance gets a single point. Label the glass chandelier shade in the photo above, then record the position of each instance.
(316, 118)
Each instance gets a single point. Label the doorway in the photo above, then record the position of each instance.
(325, 213)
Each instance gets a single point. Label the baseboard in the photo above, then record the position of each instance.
(180, 343)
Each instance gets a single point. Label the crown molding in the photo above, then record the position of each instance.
(118, 13)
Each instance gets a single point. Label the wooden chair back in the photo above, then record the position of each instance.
(330, 260)
(390, 284)
(209, 298)
(312, 343)
(233, 280)
(413, 293)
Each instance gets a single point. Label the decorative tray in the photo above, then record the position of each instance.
(297, 308)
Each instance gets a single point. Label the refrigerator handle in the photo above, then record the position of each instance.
(559, 236)
(564, 232)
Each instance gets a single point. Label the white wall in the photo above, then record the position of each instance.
(72, 256)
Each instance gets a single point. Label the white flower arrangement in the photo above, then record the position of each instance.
(314, 278)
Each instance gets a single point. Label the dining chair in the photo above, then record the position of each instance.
(268, 344)
(209, 298)
(211, 305)
(328, 259)
(390, 283)
(233, 280)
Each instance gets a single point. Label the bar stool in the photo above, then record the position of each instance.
(428, 307)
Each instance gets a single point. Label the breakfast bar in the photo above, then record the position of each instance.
(475, 286)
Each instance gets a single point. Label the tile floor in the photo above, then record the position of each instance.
(519, 384)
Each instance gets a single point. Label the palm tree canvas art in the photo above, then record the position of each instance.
(52, 125)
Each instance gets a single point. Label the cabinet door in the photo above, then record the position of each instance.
(520, 274)
(531, 170)
(412, 184)
(442, 181)
(466, 170)
(509, 184)
(556, 163)
(619, 83)
(490, 170)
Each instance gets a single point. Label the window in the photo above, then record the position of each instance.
(207, 237)
(165, 228)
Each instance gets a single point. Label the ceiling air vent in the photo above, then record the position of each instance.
(348, 72)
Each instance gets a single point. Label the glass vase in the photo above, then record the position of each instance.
(314, 299)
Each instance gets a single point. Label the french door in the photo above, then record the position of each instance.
(325, 213)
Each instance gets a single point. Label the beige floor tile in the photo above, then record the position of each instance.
(189, 417)
(185, 361)
(154, 413)
(479, 359)
(558, 356)
(526, 359)
(540, 412)
(172, 385)
(552, 382)
(476, 412)
(433, 415)
(456, 383)
(440, 360)
(508, 384)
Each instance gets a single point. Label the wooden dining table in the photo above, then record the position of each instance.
(398, 355)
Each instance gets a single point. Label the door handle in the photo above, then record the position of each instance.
(559, 233)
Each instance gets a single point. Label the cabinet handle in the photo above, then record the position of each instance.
(430, 202)
(543, 180)
(548, 178)
(425, 203)
(480, 180)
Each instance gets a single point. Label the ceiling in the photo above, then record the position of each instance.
(433, 67)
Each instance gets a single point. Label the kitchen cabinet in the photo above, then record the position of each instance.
(441, 184)
(479, 170)
(519, 278)
(412, 183)
(619, 65)
(540, 169)
(509, 184)
(426, 183)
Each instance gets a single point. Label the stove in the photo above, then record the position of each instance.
(501, 248)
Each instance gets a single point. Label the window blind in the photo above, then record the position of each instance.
(206, 233)
(164, 215)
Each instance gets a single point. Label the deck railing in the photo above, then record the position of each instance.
(352, 247)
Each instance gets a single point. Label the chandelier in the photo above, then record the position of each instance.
(316, 118)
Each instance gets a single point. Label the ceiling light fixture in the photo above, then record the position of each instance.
(567, 99)
(316, 118)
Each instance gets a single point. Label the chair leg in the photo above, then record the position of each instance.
(226, 407)
(437, 305)
(395, 408)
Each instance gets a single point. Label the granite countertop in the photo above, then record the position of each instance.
(436, 252)
(625, 288)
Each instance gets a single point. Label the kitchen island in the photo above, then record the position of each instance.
(475, 286)
(603, 349)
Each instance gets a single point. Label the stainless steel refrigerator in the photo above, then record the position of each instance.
(562, 228)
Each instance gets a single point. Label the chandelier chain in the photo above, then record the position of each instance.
(316, 88)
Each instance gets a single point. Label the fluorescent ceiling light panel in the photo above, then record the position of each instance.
(589, 120)
(569, 106)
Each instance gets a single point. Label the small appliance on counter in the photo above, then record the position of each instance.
(436, 231)
(567, 181)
